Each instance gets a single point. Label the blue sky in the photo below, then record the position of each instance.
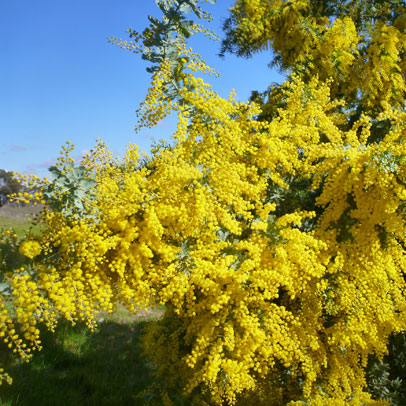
(60, 78)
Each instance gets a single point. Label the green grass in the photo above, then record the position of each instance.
(20, 226)
(16, 218)
(80, 368)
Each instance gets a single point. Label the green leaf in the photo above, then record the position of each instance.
(184, 30)
(10, 258)
(4, 288)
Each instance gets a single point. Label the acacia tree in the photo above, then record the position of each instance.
(366, 67)
(358, 45)
(275, 243)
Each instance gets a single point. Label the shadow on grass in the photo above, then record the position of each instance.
(81, 368)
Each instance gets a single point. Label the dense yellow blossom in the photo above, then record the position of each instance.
(30, 249)
(265, 302)
(364, 55)
(246, 291)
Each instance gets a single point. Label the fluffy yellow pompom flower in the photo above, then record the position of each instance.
(30, 248)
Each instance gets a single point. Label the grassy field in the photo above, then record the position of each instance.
(79, 368)
(17, 218)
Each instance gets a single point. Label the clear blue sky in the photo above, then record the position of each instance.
(60, 79)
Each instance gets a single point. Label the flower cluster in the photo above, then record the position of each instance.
(268, 300)
(30, 248)
(359, 48)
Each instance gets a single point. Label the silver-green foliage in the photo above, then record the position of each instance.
(70, 189)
